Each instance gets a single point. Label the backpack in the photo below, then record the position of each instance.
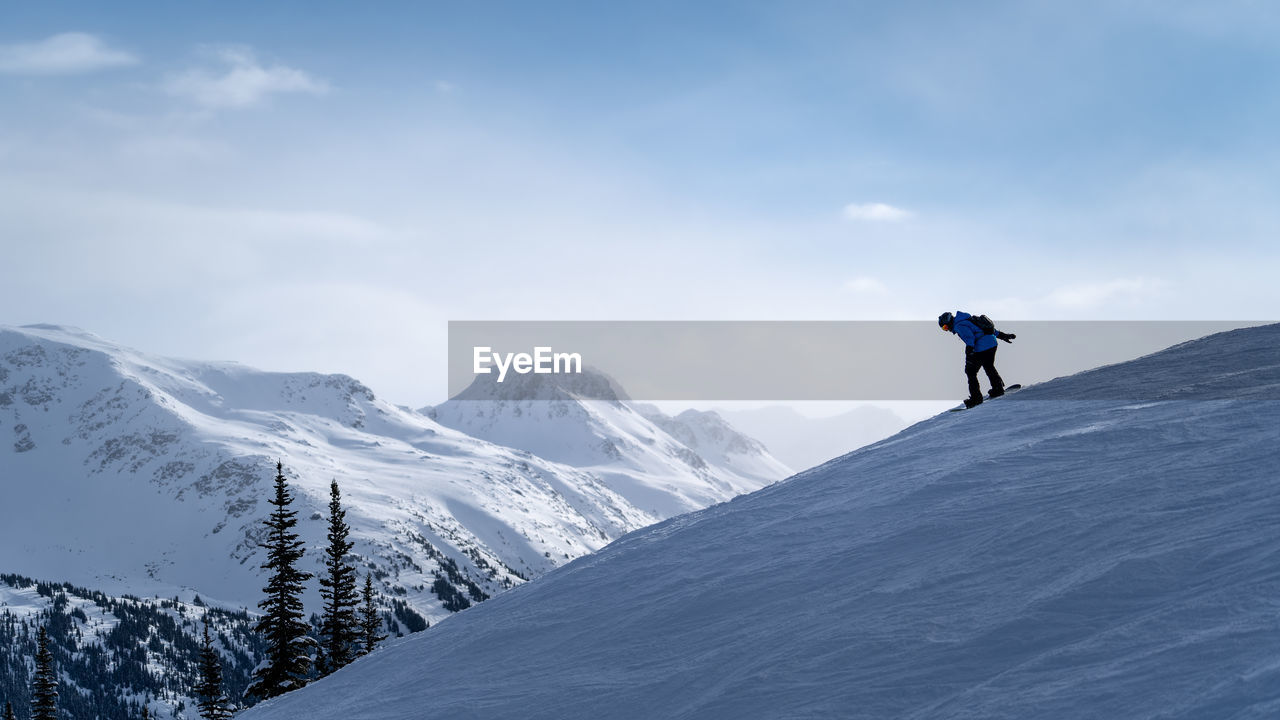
(983, 323)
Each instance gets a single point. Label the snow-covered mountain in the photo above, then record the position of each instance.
(720, 444)
(1102, 545)
(663, 465)
(134, 473)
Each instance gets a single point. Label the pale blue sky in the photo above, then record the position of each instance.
(322, 186)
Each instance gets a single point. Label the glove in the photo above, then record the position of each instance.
(1007, 337)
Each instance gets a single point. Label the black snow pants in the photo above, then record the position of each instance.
(985, 360)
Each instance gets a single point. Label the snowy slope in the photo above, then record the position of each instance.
(663, 465)
(139, 474)
(1103, 545)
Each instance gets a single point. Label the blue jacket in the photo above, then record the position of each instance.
(970, 334)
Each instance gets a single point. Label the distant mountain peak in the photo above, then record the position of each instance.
(516, 387)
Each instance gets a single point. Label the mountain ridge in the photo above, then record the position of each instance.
(155, 471)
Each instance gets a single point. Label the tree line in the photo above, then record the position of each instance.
(349, 623)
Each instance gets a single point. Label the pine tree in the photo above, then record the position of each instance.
(146, 713)
(44, 686)
(370, 623)
(213, 704)
(289, 648)
(339, 628)
(8, 712)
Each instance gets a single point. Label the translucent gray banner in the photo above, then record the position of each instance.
(778, 361)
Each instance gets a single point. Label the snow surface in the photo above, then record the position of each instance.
(146, 475)
(1056, 553)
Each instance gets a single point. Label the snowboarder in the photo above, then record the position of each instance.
(979, 335)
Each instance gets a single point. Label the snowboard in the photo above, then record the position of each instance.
(1007, 389)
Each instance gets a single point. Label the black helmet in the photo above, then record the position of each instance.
(944, 320)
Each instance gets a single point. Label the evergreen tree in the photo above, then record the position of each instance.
(146, 713)
(370, 623)
(339, 628)
(8, 712)
(213, 704)
(44, 686)
(282, 625)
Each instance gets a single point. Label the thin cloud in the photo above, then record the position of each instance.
(241, 81)
(1095, 295)
(63, 54)
(875, 212)
(866, 285)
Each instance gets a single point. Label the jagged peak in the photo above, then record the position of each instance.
(591, 384)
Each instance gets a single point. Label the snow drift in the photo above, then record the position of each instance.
(1036, 557)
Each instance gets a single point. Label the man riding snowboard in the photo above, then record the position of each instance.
(979, 335)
